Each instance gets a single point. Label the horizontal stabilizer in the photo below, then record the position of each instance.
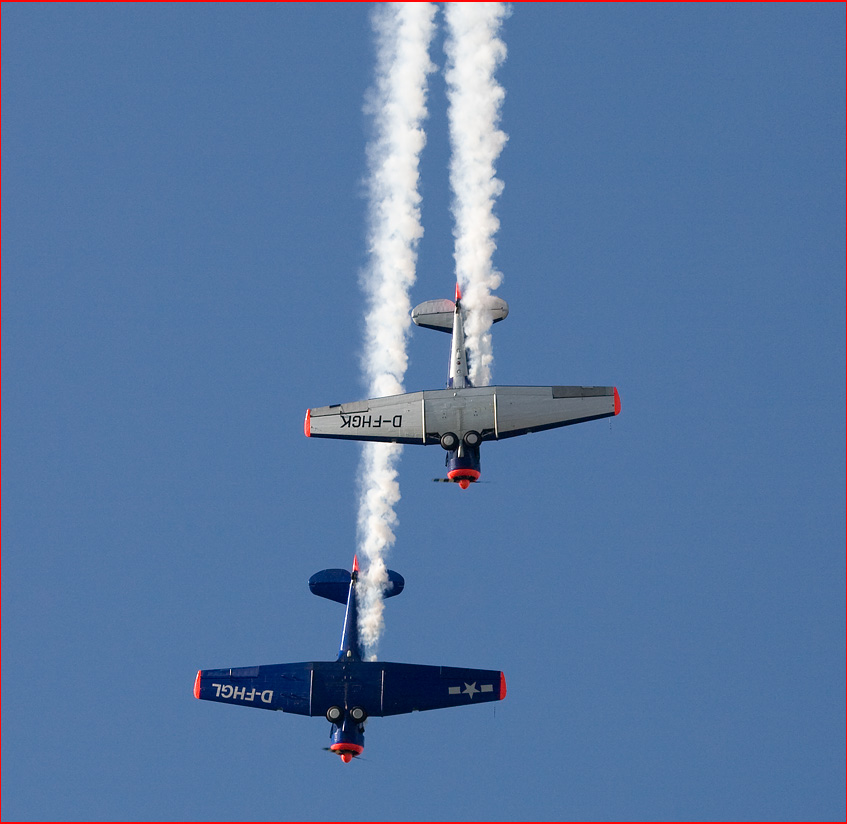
(435, 314)
(498, 307)
(334, 584)
(438, 314)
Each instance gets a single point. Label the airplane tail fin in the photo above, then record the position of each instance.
(438, 314)
(334, 584)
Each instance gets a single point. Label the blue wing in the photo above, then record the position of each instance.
(412, 687)
(285, 687)
(380, 688)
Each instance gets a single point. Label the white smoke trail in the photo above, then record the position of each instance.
(474, 51)
(398, 105)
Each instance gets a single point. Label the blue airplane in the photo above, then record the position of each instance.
(348, 691)
(462, 416)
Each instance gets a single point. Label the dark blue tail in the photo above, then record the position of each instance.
(340, 585)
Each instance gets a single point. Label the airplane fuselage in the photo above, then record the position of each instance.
(463, 466)
(348, 732)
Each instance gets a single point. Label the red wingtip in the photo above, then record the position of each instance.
(197, 684)
(458, 293)
(307, 424)
(617, 402)
(355, 563)
(502, 686)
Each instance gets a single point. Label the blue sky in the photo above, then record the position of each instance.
(184, 225)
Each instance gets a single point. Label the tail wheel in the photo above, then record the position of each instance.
(358, 714)
(472, 438)
(449, 441)
(334, 714)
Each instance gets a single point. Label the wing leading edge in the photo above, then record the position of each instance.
(494, 411)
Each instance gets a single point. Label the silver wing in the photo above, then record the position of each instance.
(522, 409)
(494, 411)
(394, 419)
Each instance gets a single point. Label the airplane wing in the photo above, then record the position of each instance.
(380, 688)
(285, 687)
(493, 411)
(522, 409)
(394, 419)
(413, 687)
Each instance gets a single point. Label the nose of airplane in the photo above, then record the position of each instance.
(346, 757)
(464, 483)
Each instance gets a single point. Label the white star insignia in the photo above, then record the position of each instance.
(470, 690)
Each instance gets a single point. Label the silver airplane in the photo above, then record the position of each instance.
(462, 416)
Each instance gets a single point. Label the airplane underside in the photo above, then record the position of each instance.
(462, 416)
